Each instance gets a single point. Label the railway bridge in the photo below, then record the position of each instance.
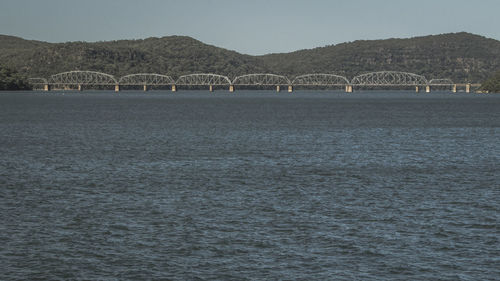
(396, 79)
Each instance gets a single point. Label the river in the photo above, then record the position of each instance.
(250, 185)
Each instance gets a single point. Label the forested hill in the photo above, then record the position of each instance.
(174, 55)
(459, 56)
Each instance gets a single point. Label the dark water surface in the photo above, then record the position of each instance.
(250, 185)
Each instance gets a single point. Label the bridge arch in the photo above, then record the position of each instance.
(149, 79)
(82, 78)
(389, 78)
(320, 79)
(203, 79)
(261, 79)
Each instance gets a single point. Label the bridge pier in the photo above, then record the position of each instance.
(348, 88)
(46, 87)
(467, 88)
(231, 88)
(174, 88)
(454, 88)
(290, 88)
(427, 89)
(417, 89)
(79, 87)
(117, 88)
(145, 88)
(211, 88)
(278, 88)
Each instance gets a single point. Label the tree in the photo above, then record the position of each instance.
(493, 84)
(12, 80)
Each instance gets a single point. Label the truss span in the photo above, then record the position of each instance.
(82, 78)
(149, 79)
(320, 79)
(389, 78)
(261, 79)
(203, 79)
(441, 82)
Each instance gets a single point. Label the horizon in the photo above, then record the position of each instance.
(254, 28)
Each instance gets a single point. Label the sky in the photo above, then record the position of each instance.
(253, 27)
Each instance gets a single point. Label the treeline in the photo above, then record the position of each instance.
(492, 85)
(11, 80)
(462, 57)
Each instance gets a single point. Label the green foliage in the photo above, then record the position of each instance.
(462, 57)
(492, 85)
(11, 80)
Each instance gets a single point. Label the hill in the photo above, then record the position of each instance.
(459, 56)
(463, 57)
(174, 55)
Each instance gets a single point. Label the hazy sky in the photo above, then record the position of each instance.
(252, 26)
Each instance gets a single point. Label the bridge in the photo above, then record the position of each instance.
(145, 80)
(92, 79)
(202, 79)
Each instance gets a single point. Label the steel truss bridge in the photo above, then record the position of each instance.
(261, 79)
(146, 79)
(320, 79)
(203, 79)
(389, 78)
(80, 79)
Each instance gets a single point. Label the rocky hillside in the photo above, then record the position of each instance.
(459, 56)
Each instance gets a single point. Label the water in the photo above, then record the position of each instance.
(250, 185)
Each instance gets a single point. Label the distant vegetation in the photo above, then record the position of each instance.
(12, 80)
(462, 57)
(492, 85)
